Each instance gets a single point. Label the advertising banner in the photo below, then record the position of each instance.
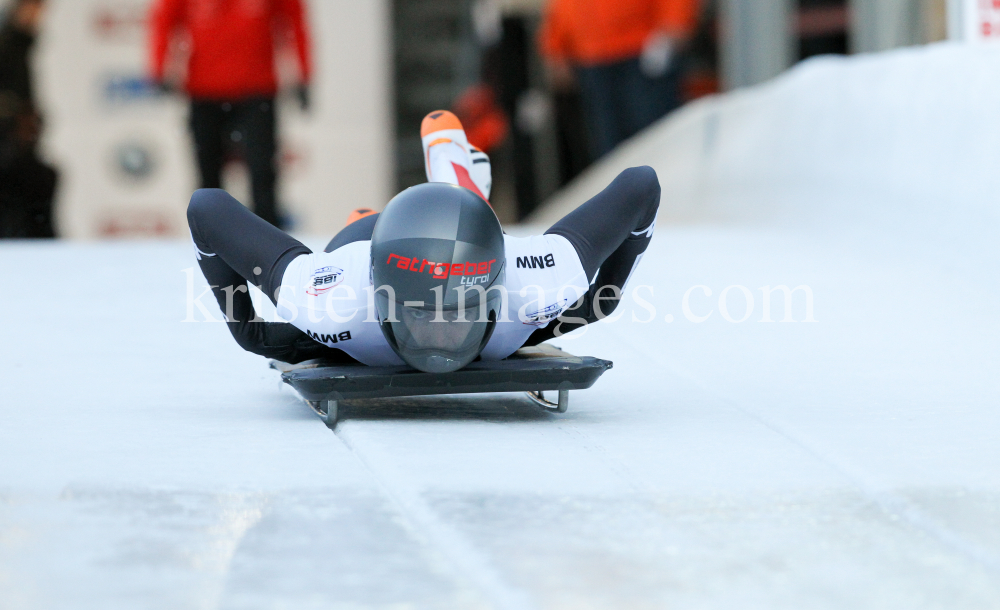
(975, 20)
(124, 151)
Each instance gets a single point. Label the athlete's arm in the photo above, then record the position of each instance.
(235, 246)
(610, 232)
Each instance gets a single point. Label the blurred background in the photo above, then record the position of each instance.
(104, 141)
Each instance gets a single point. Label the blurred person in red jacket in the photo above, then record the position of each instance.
(231, 79)
(623, 54)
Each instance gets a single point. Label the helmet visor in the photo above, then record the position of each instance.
(440, 341)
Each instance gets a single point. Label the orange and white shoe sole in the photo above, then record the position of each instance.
(358, 214)
(441, 127)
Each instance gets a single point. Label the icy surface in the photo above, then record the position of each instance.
(853, 462)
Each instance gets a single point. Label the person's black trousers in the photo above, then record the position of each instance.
(249, 126)
(620, 101)
(27, 190)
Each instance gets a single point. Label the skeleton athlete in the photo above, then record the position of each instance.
(432, 281)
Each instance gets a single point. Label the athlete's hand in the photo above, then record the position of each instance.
(304, 95)
(657, 55)
(560, 75)
(163, 87)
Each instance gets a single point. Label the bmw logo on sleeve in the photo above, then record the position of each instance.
(324, 280)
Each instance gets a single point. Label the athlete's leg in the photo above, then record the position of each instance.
(236, 246)
(448, 156)
(358, 214)
(481, 171)
(610, 233)
(359, 230)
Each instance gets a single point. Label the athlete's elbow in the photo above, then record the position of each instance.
(205, 203)
(645, 188)
(643, 180)
(248, 335)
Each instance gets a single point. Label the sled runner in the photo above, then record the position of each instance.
(533, 370)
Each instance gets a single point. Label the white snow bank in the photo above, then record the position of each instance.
(908, 139)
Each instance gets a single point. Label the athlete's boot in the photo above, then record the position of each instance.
(358, 214)
(481, 171)
(448, 157)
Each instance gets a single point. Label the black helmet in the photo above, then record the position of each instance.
(438, 274)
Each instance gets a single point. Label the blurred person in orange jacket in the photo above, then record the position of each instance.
(231, 80)
(623, 55)
(27, 184)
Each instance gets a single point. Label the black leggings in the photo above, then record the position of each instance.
(610, 232)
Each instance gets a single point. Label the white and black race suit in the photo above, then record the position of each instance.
(555, 282)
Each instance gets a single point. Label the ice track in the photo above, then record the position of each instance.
(848, 463)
